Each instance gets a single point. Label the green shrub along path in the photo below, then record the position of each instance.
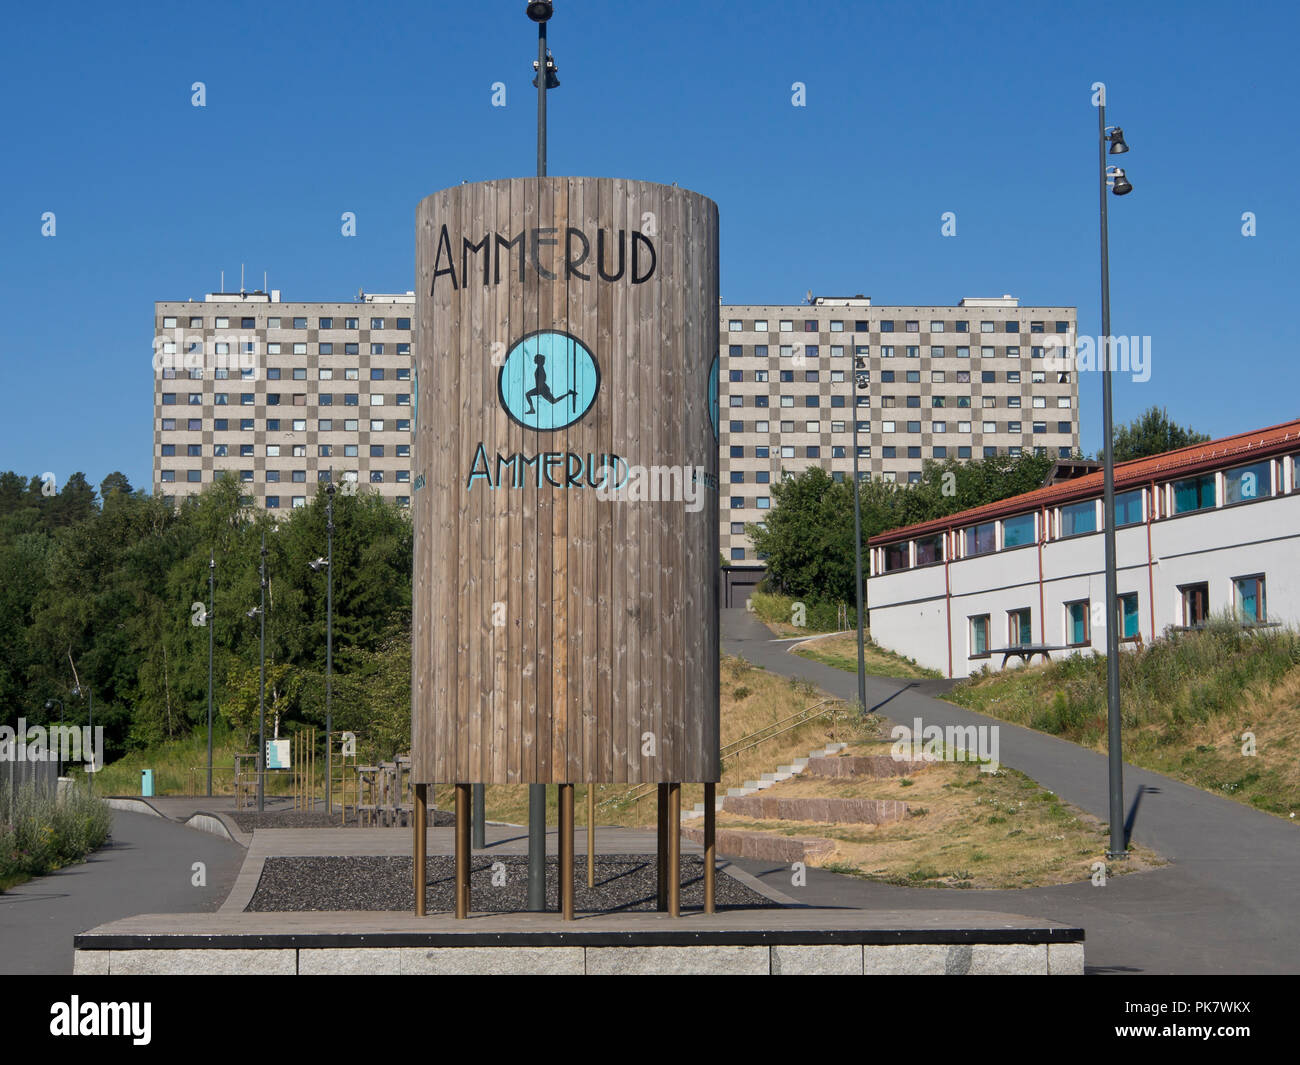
(1218, 708)
(39, 834)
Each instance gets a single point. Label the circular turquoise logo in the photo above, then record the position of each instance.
(548, 381)
(713, 396)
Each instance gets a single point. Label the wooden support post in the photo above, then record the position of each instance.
(591, 835)
(566, 851)
(710, 844)
(661, 848)
(421, 841)
(674, 850)
(462, 850)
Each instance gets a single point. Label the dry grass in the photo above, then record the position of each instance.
(752, 698)
(841, 651)
(965, 829)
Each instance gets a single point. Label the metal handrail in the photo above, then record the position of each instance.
(745, 743)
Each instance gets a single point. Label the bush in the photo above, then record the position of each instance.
(39, 834)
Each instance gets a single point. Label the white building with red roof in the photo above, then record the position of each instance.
(1204, 530)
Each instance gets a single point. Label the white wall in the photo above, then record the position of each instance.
(910, 613)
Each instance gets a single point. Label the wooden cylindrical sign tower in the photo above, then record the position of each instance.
(565, 494)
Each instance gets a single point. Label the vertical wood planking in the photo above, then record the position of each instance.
(610, 606)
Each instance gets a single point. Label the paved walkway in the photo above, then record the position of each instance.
(1226, 905)
(146, 868)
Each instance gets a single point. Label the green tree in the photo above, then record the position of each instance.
(1153, 433)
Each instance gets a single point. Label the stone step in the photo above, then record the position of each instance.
(764, 846)
(828, 811)
(865, 766)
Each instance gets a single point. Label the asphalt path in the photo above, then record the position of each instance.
(146, 867)
(1227, 904)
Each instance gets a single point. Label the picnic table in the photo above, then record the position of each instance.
(1026, 651)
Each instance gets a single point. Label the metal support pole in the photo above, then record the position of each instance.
(462, 850)
(212, 577)
(857, 547)
(537, 792)
(329, 639)
(661, 856)
(710, 844)
(261, 688)
(674, 850)
(420, 823)
(1114, 734)
(591, 835)
(566, 851)
(480, 817)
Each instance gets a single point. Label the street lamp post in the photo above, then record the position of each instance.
(857, 549)
(212, 578)
(1115, 178)
(327, 563)
(540, 12)
(260, 612)
(49, 705)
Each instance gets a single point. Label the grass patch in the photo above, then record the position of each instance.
(788, 616)
(964, 829)
(841, 651)
(39, 834)
(1194, 705)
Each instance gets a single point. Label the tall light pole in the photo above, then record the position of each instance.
(212, 578)
(857, 547)
(328, 564)
(1114, 136)
(540, 12)
(259, 612)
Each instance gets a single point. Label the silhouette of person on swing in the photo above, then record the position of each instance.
(539, 376)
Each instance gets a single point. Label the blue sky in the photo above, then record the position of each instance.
(913, 109)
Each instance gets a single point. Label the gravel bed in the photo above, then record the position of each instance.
(248, 820)
(624, 882)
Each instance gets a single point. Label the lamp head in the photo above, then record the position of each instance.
(1117, 144)
(1120, 185)
(540, 10)
(318, 564)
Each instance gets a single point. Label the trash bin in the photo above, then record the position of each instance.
(146, 782)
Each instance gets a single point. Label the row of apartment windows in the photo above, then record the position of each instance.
(297, 373)
(325, 451)
(168, 476)
(297, 425)
(245, 322)
(296, 399)
(1241, 484)
(737, 401)
(1248, 603)
(887, 325)
(863, 377)
(274, 347)
(888, 351)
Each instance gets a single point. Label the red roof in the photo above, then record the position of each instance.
(1197, 458)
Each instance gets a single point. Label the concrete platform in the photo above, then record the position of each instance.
(794, 940)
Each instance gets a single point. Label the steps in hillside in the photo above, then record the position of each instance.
(766, 780)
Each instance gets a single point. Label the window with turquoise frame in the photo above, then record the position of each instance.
(979, 635)
(1128, 616)
(1128, 508)
(1248, 599)
(1018, 531)
(1245, 483)
(1076, 623)
(1020, 629)
(1194, 493)
(979, 539)
(1078, 518)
